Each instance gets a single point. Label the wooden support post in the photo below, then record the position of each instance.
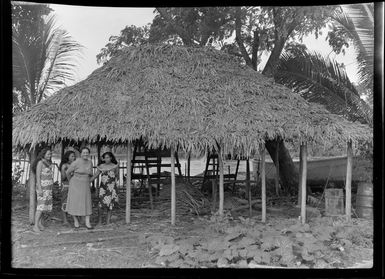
(173, 194)
(277, 169)
(188, 165)
(63, 146)
(300, 177)
(263, 183)
(178, 164)
(348, 186)
(32, 187)
(214, 194)
(128, 183)
(248, 187)
(99, 159)
(98, 150)
(149, 186)
(221, 183)
(148, 182)
(303, 147)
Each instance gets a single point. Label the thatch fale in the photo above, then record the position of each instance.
(194, 98)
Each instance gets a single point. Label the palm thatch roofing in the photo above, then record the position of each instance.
(192, 97)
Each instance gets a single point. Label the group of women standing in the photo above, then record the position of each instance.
(76, 177)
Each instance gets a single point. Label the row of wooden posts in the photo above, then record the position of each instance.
(301, 192)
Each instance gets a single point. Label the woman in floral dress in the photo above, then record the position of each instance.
(42, 167)
(108, 194)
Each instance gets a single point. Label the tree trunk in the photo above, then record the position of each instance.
(288, 173)
(32, 187)
(272, 63)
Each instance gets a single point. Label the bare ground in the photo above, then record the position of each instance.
(208, 241)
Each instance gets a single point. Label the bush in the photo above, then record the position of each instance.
(17, 173)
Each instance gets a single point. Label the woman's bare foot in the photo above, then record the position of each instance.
(41, 227)
(76, 222)
(36, 229)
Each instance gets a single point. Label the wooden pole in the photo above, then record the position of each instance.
(32, 187)
(63, 146)
(277, 169)
(128, 183)
(148, 182)
(173, 194)
(263, 186)
(303, 182)
(248, 185)
(98, 149)
(348, 186)
(188, 165)
(300, 176)
(214, 194)
(221, 183)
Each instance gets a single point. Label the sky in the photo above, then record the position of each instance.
(93, 26)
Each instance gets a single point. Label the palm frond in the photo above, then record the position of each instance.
(44, 61)
(356, 22)
(61, 59)
(322, 81)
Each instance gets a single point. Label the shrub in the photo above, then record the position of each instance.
(17, 173)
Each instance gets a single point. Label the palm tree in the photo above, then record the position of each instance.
(322, 80)
(44, 57)
(356, 23)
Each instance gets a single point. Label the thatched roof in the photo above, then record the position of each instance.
(194, 97)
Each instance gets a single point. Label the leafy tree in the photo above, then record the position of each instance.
(130, 35)
(354, 25)
(256, 29)
(322, 80)
(44, 57)
(270, 28)
(188, 26)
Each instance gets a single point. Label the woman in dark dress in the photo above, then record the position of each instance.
(108, 194)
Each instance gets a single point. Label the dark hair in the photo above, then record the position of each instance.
(113, 159)
(66, 158)
(85, 147)
(39, 157)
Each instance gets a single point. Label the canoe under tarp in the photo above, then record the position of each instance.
(319, 169)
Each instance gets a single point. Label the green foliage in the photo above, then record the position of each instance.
(260, 27)
(321, 80)
(319, 244)
(129, 36)
(199, 25)
(17, 173)
(354, 25)
(44, 57)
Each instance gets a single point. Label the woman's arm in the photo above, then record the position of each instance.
(38, 176)
(64, 167)
(71, 169)
(95, 175)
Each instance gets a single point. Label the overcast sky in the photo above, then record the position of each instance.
(93, 26)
